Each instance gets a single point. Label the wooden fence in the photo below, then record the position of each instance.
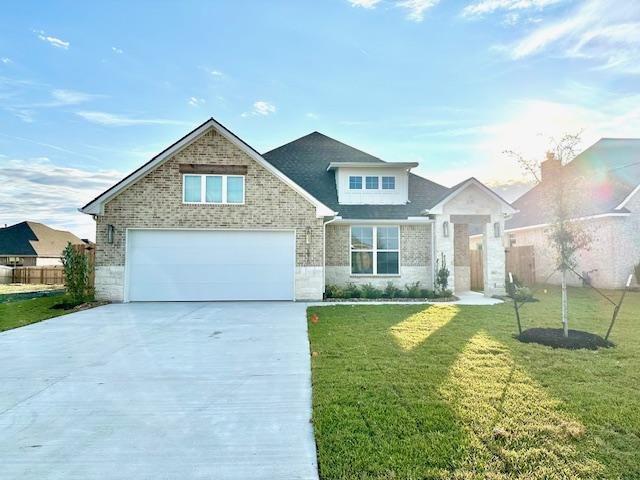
(522, 263)
(477, 272)
(54, 275)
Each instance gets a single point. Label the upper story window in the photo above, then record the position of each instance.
(371, 183)
(220, 189)
(355, 183)
(388, 183)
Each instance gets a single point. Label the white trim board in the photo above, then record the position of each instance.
(96, 206)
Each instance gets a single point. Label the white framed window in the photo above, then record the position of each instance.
(371, 183)
(355, 182)
(213, 189)
(375, 250)
(388, 183)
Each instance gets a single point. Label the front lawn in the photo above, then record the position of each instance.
(19, 313)
(444, 391)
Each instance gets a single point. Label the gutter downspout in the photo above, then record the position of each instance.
(324, 252)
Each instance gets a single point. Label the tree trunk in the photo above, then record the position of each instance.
(565, 322)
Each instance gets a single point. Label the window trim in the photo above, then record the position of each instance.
(382, 177)
(375, 251)
(366, 180)
(203, 189)
(361, 182)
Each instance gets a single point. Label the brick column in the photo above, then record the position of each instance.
(444, 245)
(494, 258)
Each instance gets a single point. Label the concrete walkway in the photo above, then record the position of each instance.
(159, 391)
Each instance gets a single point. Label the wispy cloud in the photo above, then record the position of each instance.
(48, 145)
(116, 120)
(212, 71)
(486, 7)
(261, 108)
(417, 8)
(39, 190)
(311, 115)
(6, 60)
(605, 32)
(364, 3)
(51, 40)
(71, 97)
(196, 102)
(117, 50)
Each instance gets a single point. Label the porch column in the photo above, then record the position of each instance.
(494, 257)
(444, 245)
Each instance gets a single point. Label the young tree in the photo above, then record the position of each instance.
(563, 195)
(567, 235)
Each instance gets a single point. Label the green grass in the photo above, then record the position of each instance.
(442, 391)
(19, 313)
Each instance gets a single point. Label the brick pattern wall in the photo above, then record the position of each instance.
(155, 201)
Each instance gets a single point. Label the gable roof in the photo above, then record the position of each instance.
(96, 205)
(462, 186)
(307, 159)
(33, 239)
(609, 171)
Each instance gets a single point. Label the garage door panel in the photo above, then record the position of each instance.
(193, 265)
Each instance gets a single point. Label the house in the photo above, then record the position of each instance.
(210, 218)
(33, 244)
(606, 200)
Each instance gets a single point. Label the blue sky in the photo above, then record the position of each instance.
(88, 92)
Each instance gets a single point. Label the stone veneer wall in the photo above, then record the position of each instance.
(461, 257)
(415, 257)
(155, 201)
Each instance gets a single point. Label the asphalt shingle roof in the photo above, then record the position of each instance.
(608, 171)
(306, 159)
(34, 239)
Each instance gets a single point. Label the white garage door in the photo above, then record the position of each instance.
(193, 265)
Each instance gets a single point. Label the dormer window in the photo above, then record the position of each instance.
(372, 183)
(388, 183)
(355, 183)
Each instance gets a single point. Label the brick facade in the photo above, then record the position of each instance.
(155, 201)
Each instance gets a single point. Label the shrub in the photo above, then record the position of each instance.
(351, 290)
(426, 293)
(445, 293)
(413, 290)
(637, 271)
(512, 287)
(442, 275)
(333, 291)
(369, 291)
(522, 294)
(76, 272)
(391, 291)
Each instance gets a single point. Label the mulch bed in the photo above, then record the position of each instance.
(77, 307)
(396, 299)
(553, 337)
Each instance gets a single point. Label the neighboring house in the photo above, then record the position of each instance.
(607, 176)
(31, 244)
(209, 218)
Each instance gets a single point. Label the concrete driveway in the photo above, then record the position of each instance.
(159, 391)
